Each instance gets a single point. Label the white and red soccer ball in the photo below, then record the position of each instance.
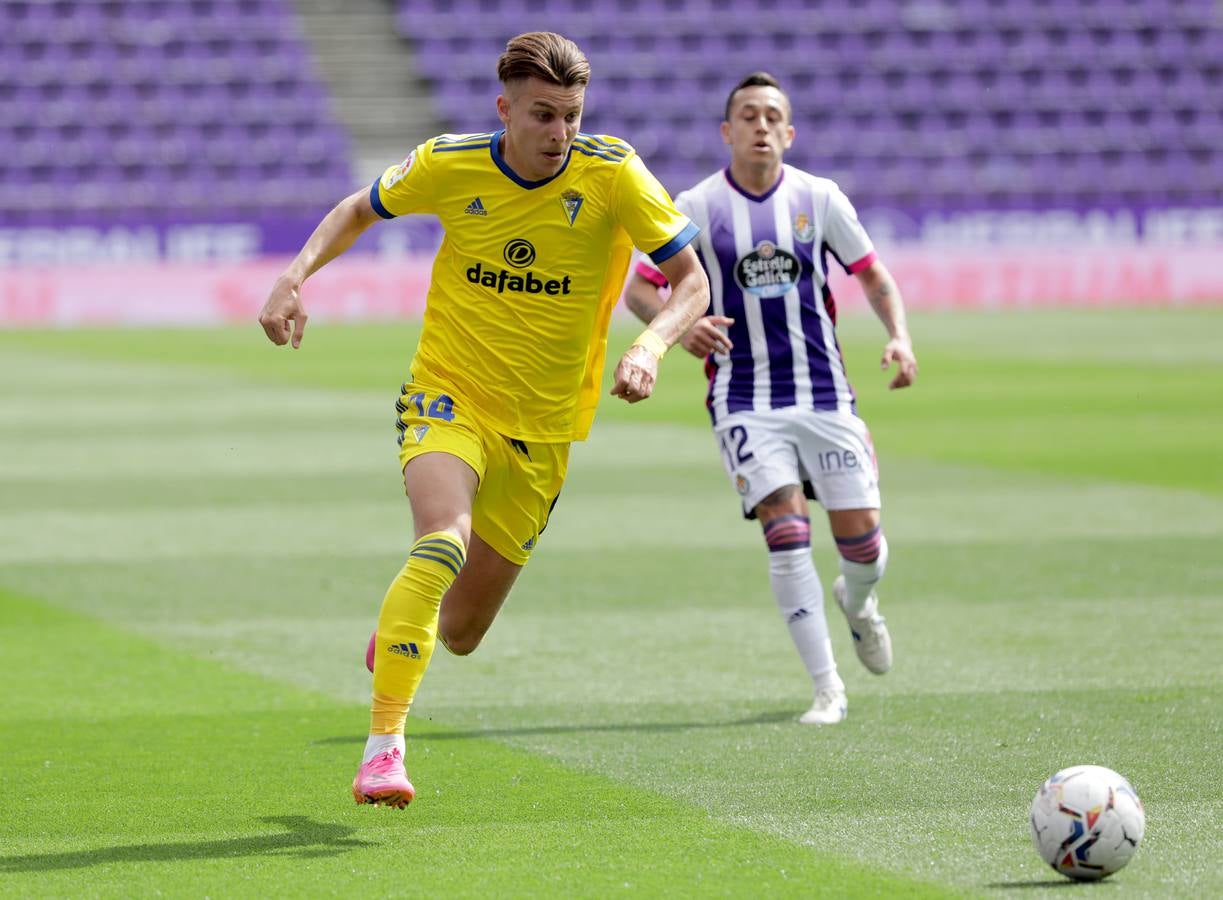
(1087, 821)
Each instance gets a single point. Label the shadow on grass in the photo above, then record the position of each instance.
(302, 838)
(1044, 883)
(655, 727)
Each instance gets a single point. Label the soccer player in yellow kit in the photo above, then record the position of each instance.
(540, 220)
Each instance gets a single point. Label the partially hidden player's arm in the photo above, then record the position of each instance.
(283, 316)
(644, 299)
(884, 296)
(637, 372)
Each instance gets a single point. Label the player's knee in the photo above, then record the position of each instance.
(460, 641)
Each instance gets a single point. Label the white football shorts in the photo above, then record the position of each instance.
(828, 452)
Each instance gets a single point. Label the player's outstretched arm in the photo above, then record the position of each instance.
(283, 316)
(644, 299)
(884, 296)
(638, 369)
(689, 296)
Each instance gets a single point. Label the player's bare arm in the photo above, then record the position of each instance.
(644, 300)
(637, 371)
(283, 316)
(884, 296)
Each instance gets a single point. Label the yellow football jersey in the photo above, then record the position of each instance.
(528, 272)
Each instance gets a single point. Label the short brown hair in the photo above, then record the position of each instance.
(544, 55)
(756, 79)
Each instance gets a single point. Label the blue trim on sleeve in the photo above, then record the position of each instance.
(376, 202)
(676, 244)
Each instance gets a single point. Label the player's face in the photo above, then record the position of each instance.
(541, 120)
(759, 130)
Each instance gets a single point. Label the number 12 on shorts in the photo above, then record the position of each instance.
(734, 446)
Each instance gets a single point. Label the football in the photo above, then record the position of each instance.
(1087, 821)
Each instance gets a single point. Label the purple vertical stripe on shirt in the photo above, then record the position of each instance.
(773, 309)
(823, 388)
(742, 367)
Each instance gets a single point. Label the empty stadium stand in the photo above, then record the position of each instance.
(201, 110)
(122, 110)
(928, 104)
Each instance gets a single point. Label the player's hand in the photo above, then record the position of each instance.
(900, 351)
(283, 317)
(706, 336)
(636, 375)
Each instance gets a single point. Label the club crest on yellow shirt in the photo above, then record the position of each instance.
(572, 201)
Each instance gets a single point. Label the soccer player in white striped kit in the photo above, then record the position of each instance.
(783, 411)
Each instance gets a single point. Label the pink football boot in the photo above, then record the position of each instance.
(383, 781)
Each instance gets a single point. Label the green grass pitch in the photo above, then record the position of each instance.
(196, 529)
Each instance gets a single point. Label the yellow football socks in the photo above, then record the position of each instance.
(407, 627)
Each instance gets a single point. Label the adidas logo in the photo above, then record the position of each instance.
(409, 650)
(476, 208)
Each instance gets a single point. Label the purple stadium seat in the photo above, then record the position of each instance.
(145, 98)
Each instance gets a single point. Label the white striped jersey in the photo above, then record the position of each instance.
(767, 261)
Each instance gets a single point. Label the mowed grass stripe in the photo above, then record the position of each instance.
(184, 778)
(717, 645)
(150, 491)
(77, 454)
(1120, 394)
(346, 492)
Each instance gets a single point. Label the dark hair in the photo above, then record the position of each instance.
(544, 55)
(756, 79)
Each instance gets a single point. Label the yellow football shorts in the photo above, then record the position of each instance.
(519, 482)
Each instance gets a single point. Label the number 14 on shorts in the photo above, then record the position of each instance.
(439, 407)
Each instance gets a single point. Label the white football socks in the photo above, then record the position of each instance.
(381, 743)
(860, 582)
(799, 596)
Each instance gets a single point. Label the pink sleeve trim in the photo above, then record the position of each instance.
(651, 274)
(864, 262)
